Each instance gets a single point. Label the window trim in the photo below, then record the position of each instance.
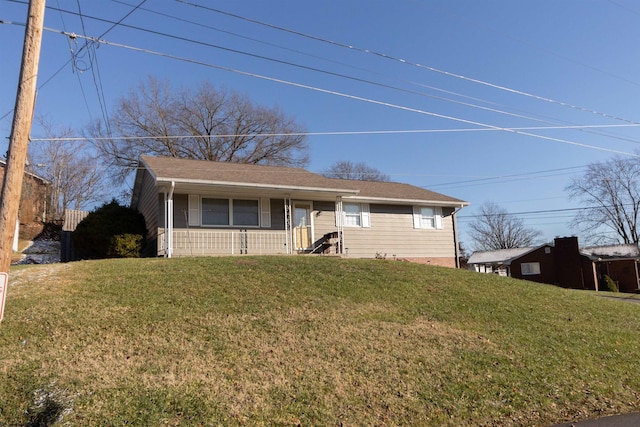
(364, 215)
(419, 223)
(197, 220)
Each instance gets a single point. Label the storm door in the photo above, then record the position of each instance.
(302, 230)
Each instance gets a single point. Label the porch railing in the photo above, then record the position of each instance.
(235, 242)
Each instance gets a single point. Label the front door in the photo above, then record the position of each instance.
(302, 231)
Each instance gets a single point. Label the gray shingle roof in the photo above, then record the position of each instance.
(612, 251)
(499, 256)
(168, 169)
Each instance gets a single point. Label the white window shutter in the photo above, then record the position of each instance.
(439, 222)
(194, 210)
(265, 213)
(417, 216)
(366, 215)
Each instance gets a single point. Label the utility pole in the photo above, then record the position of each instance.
(20, 129)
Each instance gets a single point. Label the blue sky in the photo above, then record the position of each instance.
(415, 68)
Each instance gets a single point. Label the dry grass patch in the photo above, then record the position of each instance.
(286, 341)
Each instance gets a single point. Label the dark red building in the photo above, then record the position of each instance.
(564, 264)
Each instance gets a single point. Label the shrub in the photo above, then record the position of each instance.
(607, 284)
(111, 231)
(126, 246)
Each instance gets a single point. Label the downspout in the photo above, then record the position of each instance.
(455, 236)
(169, 220)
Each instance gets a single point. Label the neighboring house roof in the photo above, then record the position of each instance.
(500, 256)
(3, 164)
(612, 252)
(240, 175)
(595, 253)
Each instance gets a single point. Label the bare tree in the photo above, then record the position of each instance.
(357, 171)
(205, 123)
(610, 192)
(74, 173)
(495, 228)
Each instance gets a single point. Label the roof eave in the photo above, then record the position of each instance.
(250, 185)
(447, 203)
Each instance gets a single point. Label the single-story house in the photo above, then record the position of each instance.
(195, 207)
(564, 264)
(32, 212)
(497, 262)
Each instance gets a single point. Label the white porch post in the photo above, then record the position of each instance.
(168, 219)
(287, 223)
(340, 224)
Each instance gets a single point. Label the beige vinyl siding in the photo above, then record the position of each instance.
(324, 219)
(148, 207)
(391, 233)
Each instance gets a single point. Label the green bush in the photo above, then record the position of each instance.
(111, 231)
(126, 246)
(607, 284)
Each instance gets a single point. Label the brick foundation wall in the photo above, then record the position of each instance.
(441, 262)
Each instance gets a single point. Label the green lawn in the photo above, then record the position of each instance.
(307, 341)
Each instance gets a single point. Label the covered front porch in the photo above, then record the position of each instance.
(277, 224)
(187, 242)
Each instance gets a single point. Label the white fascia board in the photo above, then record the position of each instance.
(245, 185)
(417, 202)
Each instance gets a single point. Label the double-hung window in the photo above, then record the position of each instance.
(356, 215)
(427, 217)
(219, 212)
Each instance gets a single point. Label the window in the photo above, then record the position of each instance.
(352, 215)
(215, 211)
(428, 217)
(226, 212)
(530, 268)
(356, 215)
(245, 212)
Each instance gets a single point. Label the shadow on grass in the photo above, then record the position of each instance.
(45, 414)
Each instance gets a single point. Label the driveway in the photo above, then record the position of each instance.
(627, 420)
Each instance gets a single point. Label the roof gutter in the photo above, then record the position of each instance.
(248, 185)
(456, 244)
(418, 202)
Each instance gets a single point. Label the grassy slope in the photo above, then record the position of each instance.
(316, 341)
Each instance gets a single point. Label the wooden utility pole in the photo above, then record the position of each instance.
(21, 126)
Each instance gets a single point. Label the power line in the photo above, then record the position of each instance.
(343, 133)
(548, 51)
(63, 66)
(532, 212)
(93, 61)
(327, 72)
(407, 62)
(504, 178)
(103, 108)
(341, 94)
(349, 96)
(437, 89)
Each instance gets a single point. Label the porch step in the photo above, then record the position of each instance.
(325, 244)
